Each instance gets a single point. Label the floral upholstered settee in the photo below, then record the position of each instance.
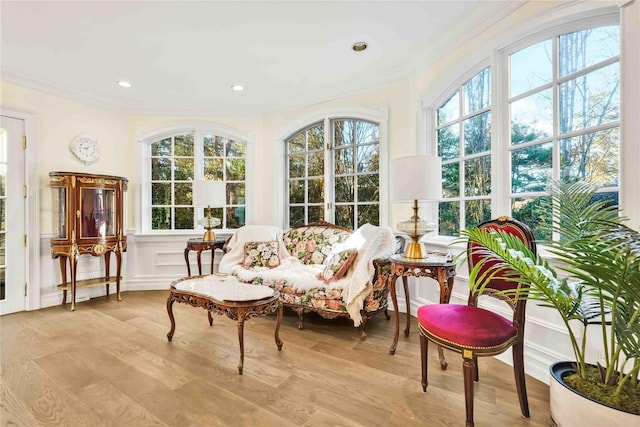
(317, 267)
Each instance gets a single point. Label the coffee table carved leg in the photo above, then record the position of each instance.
(210, 318)
(171, 318)
(241, 340)
(277, 333)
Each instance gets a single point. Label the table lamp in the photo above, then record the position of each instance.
(416, 179)
(211, 194)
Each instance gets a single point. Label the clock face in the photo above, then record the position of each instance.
(85, 149)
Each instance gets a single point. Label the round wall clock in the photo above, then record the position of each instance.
(85, 149)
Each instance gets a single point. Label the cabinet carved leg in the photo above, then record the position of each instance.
(107, 266)
(63, 271)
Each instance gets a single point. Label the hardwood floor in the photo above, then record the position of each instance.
(109, 364)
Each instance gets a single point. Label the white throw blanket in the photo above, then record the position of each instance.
(370, 241)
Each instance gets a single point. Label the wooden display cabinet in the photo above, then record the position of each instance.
(87, 219)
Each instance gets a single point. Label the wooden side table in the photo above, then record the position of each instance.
(198, 244)
(443, 272)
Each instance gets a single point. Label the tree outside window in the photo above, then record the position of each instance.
(349, 195)
(178, 160)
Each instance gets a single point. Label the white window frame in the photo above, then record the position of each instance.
(500, 119)
(381, 117)
(143, 153)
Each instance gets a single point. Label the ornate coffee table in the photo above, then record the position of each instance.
(225, 295)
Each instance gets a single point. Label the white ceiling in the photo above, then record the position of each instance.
(183, 56)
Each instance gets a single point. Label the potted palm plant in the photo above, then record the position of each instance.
(597, 283)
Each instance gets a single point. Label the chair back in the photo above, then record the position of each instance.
(499, 282)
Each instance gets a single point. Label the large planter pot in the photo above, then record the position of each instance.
(570, 408)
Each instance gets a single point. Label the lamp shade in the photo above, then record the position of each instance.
(209, 193)
(416, 178)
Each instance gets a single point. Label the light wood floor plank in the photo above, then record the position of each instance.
(109, 363)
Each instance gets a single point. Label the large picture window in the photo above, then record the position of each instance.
(178, 160)
(559, 101)
(333, 173)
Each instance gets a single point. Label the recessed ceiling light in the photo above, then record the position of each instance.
(359, 46)
(124, 83)
(237, 88)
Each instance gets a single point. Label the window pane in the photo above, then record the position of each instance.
(367, 132)
(344, 216)
(451, 180)
(531, 67)
(316, 137)
(297, 143)
(368, 214)
(296, 216)
(160, 193)
(367, 158)
(235, 169)
(296, 191)
(368, 187)
(213, 169)
(344, 160)
(450, 110)
(343, 132)
(161, 218)
(532, 117)
(184, 219)
(344, 189)
(587, 47)
(184, 145)
(235, 149)
(316, 164)
(476, 212)
(213, 146)
(590, 100)
(235, 193)
(235, 217)
(530, 211)
(316, 213)
(183, 169)
(477, 92)
(592, 157)
(161, 148)
(161, 169)
(477, 177)
(449, 142)
(183, 193)
(477, 133)
(449, 212)
(531, 168)
(316, 190)
(296, 166)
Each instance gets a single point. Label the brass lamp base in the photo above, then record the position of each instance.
(209, 236)
(415, 250)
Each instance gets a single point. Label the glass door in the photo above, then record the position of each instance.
(12, 216)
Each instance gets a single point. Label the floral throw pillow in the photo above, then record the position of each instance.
(261, 254)
(337, 265)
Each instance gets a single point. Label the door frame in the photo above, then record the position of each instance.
(32, 204)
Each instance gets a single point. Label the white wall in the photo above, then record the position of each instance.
(153, 261)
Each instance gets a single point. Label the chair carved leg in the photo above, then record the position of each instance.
(521, 386)
(424, 353)
(468, 370)
(476, 377)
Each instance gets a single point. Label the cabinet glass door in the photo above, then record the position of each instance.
(97, 212)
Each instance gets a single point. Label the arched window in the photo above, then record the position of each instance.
(333, 173)
(556, 117)
(178, 158)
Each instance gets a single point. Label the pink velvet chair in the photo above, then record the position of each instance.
(474, 331)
